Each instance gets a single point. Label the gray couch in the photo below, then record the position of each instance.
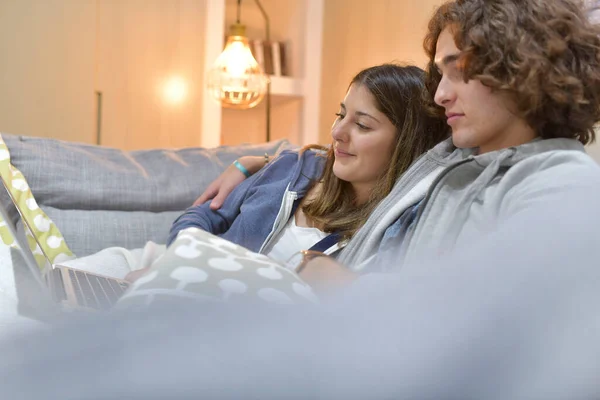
(102, 197)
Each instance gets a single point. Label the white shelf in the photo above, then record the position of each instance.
(286, 86)
(285, 89)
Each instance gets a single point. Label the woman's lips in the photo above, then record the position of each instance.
(340, 153)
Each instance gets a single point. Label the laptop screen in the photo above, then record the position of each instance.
(9, 231)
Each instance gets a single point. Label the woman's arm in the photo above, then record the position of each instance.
(215, 221)
(324, 274)
(221, 187)
(234, 192)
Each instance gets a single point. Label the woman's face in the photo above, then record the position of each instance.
(363, 140)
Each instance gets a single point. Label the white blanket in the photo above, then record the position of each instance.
(115, 262)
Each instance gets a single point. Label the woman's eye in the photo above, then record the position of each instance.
(363, 127)
(340, 115)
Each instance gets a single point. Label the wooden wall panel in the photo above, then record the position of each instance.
(359, 34)
(47, 68)
(142, 46)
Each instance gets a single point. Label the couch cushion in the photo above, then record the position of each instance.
(101, 197)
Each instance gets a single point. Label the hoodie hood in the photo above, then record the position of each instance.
(446, 164)
(475, 193)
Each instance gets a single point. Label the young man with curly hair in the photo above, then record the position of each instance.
(519, 84)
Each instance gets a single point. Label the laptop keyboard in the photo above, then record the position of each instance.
(95, 291)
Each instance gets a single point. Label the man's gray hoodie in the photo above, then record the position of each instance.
(465, 196)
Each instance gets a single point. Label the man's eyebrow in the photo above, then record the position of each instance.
(449, 59)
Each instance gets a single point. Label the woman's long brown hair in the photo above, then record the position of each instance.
(398, 93)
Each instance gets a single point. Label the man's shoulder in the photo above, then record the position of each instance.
(551, 173)
(559, 163)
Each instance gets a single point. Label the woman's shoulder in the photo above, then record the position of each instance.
(308, 162)
(314, 154)
(285, 159)
(303, 154)
(287, 162)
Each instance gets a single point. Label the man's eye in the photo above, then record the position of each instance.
(456, 73)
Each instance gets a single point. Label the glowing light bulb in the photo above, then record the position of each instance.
(236, 80)
(175, 90)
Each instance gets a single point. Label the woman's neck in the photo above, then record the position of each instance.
(301, 218)
(362, 192)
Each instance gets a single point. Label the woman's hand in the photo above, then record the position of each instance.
(221, 187)
(325, 273)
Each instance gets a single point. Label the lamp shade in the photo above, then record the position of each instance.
(236, 80)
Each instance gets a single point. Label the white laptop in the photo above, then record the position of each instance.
(72, 289)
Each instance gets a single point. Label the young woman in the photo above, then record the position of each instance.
(319, 197)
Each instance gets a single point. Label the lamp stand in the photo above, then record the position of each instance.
(268, 94)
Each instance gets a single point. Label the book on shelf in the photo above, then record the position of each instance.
(270, 56)
(258, 51)
(283, 58)
(276, 56)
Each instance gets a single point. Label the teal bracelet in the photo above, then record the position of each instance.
(242, 169)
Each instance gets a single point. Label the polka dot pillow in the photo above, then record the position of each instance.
(43, 236)
(203, 267)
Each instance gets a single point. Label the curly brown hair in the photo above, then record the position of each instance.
(546, 54)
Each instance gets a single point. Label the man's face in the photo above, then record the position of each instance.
(478, 117)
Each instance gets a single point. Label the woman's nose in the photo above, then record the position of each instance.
(339, 131)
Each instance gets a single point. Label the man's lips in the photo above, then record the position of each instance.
(451, 117)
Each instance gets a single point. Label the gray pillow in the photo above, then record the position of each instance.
(102, 197)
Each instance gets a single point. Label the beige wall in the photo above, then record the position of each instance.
(363, 33)
(47, 68)
(143, 46)
(58, 54)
